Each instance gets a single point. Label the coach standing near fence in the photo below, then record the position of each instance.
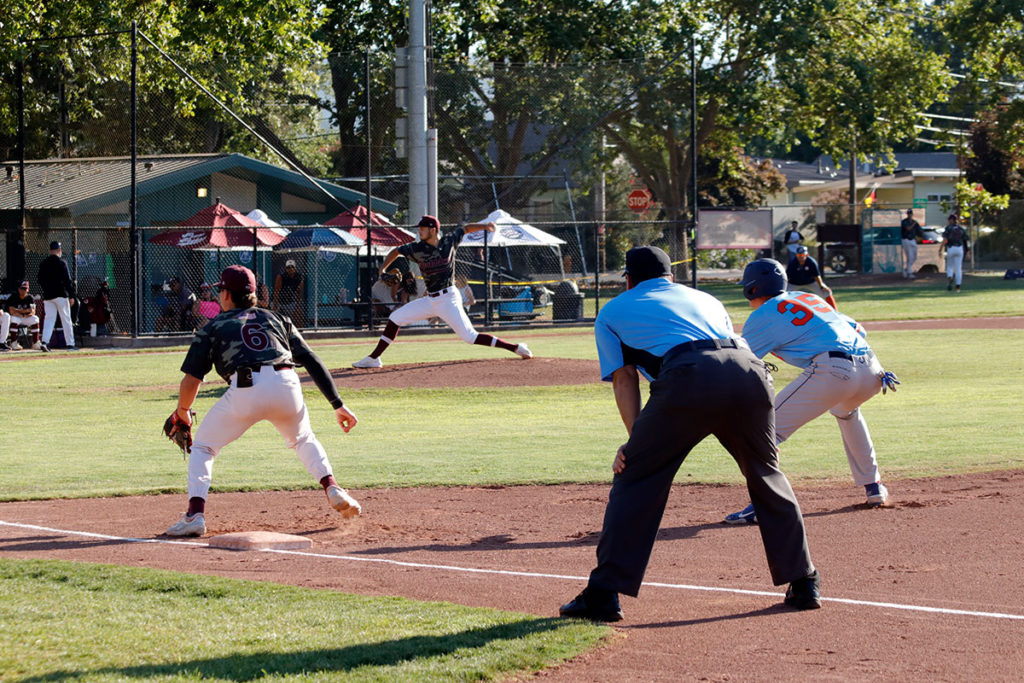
(704, 381)
(58, 297)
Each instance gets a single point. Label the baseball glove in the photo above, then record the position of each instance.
(178, 431)
(390, 279)
(409, 284)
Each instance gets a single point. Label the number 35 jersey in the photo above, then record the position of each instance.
(797, 326)
(243, 337)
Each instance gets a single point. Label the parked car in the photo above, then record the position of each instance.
(841, 257)
(928, 259)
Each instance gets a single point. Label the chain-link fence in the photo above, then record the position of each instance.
(288, 152)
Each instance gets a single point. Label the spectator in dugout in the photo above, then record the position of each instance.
(21, 309)
(805, 276)
(206, 307)
(177, 314)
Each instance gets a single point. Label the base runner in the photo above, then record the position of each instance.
(840, 371)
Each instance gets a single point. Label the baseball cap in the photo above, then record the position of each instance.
(205, 285)
(54, 245)
(910, 211)
(289, 263)
(237, 279)
(429, 222)
(23, 285)
(801, 249)
(644, 263)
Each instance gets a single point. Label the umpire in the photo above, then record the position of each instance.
(704, 380)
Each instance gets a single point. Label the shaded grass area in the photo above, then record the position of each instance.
(64, 621)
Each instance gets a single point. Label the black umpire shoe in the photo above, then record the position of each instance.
(595, 604)
(805, 593)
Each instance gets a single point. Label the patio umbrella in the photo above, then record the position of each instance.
(316, 239)
(384, 233)
(210, 230)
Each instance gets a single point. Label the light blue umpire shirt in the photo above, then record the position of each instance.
(639, 326)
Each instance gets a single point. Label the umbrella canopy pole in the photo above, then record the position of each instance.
(316, 289)
(487, 282)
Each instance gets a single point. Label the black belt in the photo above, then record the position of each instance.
(840, 354)
(439, 292)
(244, 373)
(708, 344)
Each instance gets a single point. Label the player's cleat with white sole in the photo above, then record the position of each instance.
(524, 351)
(877, 494)
(41, 346)
(188, 526)
(744, 516)
(368, 362)
(342, 502)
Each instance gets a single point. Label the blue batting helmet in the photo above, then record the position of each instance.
(763, 277)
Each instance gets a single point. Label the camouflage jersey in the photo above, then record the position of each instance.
(244, 337)
(436, 263)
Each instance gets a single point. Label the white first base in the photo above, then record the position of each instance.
(260, 540)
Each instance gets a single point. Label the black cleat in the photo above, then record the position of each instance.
(805, 593)
(594, 604)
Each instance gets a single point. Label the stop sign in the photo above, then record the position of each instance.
(639, 200)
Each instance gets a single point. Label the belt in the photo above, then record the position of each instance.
(244, 373)
(708, 345)
(840, 354)
(439, 292)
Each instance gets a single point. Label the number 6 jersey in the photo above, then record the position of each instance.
(797, 326)
(244, 337)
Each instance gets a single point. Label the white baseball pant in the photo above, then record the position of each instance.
(52, 307)
(909, 256)
(839, 386)
(447, 306)
(275, 396)
(955, 264)
(5, 326)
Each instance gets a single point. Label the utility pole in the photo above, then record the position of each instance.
(417, 102)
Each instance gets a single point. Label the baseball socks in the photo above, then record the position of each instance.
(196, 505)
(387, 338)
(491, 340)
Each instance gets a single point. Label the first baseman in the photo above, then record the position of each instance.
(840, 372)
(704, 381)
(436, 258)
(255, 351)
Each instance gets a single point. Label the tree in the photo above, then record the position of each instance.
(248, 52)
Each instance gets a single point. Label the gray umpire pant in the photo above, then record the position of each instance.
(727, 392)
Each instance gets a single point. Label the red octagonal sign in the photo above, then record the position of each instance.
(639, 200)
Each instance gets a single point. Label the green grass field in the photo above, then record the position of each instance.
(89, 425)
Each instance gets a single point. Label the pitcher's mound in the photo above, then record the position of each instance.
(259, 540)
(500, 371)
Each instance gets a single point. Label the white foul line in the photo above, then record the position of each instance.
(534, 575)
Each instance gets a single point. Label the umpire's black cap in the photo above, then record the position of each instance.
(644, 263)
(54, 246)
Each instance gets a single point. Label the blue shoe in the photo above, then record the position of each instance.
(744, 516)
(877, 494)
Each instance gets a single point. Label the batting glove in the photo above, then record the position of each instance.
(889, 382)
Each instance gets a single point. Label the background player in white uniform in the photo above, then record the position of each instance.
(840, 372)
(435, 256)
(956, 246)
(255, 351)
